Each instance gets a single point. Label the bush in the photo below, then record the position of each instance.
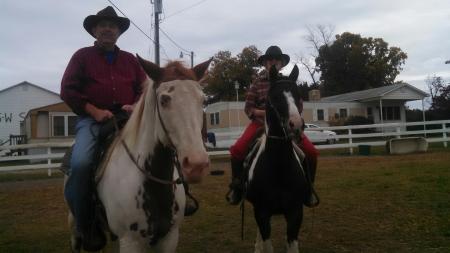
(359, 120)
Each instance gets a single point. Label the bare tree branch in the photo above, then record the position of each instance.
(317, 36)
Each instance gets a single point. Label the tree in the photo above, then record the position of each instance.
(440, 96)
(353, 63)
(226, 70)
(303, 89)
(317, 36)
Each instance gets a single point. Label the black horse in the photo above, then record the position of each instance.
(277, 181)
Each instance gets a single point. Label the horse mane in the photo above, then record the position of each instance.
(175, 70)
(130, 131)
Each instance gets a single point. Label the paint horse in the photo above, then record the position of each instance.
(276, 178)
(140, 188)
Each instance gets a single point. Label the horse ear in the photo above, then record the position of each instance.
(201, 68)
(152, 70)
(294, 74)
(273, 74)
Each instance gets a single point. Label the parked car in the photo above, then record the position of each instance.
(318, 135)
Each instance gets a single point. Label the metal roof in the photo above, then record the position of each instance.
(28, 83)
(373, 94)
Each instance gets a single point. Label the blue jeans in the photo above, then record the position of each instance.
(79, 186)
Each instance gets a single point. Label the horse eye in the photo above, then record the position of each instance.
(165, 100)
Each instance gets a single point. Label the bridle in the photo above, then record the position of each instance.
(287, 135)
(148, 173)
(176, 162)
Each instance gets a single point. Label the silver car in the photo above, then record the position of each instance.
(317, 135)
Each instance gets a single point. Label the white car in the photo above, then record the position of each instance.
(317, 135)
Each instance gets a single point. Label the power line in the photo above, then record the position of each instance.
(131, 21)
(176, 44)
(185, 9)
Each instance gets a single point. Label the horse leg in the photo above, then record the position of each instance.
(169, 242)
(294, 220)
(263, 243)
(129, 243)
(262, 246)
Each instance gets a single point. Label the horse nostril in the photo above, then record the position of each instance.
(185, 162)
(291, 124)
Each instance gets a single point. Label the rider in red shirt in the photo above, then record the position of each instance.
(255, 109)
(98, 80)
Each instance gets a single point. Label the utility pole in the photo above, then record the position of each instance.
(158, 10)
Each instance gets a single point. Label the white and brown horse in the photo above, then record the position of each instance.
(140, 187)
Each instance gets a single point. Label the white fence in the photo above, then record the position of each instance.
(433, 131)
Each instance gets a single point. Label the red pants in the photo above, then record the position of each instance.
(239, 150)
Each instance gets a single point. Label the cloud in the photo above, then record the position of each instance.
(39, 37)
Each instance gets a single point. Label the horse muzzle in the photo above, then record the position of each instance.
(194, 166)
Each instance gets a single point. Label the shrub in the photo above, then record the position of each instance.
(359, 120)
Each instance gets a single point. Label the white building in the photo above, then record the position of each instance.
(382, 105)
(16, 101)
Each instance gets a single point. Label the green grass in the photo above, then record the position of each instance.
(371, 203)
(29, 175)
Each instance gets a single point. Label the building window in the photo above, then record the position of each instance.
(369, 113)
(58, 125)
(63, 125)
(217, 118)
(320, 114)
(343, 113)
(391, 112)
(71, 122)
(214, 118)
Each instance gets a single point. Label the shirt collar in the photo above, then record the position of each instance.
(103, 52)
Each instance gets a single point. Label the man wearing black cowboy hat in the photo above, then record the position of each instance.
(255, 102)
(98, 79)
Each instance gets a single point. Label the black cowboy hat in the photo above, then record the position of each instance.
(108, 13)
(274, 52)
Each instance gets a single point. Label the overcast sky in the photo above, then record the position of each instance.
(39, 37)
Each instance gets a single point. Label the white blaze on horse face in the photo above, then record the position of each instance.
(183, 119)
(295, 120)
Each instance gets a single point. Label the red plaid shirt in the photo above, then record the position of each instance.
(256, 98)
(90, 78)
